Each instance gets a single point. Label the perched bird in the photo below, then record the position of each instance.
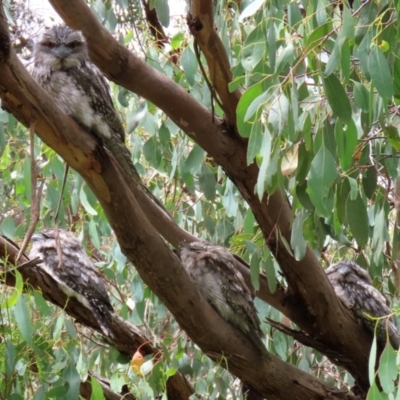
(62, 67)
(212, 270)
(76, 275)
(353, 286)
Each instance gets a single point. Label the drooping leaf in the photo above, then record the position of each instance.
(23, 320)
(244, 125)
(358, 220)
(361, 96)
(207, 182)
(17, 291)
(320, 178)
(97, 390)
(388, 369)
(297, 241)
(346, 139)
(380, 73)
(373, 393)
(372, 362)
(370, 181)
(189, 65)
(265, 153)
(337, 98)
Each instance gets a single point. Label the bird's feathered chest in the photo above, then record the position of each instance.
(217, 281)
(82, 93)
(75, 275)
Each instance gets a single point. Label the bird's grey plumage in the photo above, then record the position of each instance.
(76, 275)
(62, 67)
(212, 270)
(353, 286)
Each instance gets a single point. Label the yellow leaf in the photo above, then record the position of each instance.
(290, 160)
(136, 362)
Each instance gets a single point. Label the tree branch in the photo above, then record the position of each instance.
(201, 25)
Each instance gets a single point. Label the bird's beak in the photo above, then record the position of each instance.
(62, 52)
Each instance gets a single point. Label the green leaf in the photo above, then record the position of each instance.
(177, 39)
(297, 241)
(245, 126)
(318, 36)
(392, 135)
(10, 359)
(58, 391)
(265, 153)
(209, 224)
(7, 227)
(15, 396)
(230, 200)
(97, 390)
(255, 271)
(16, 293)
(372, 362)
(380, 234)
(268, 267)
(294, 14)
(23, 320)
(152, 151)
(320, 179)
(195, 160)
(256, 105)
(373, 393)
(207, 182)
(254, 48)
(251, 9)
(304, 163)
(123, 97)
(370, 181)
(388, 369)
(71, 376)
(42, 304)
(94, 236)
(361, 96)
(248, 224)
(348, 23)
(353, 188)
(335, 56)
(337, 98)
(368, 13)
(346, 140)
(254, 145)
(358, 220)
(162, 9)
(278, 114)
(304, 198)
(286, 57)
(85, 202)
(396, 76)
(41, 393)
(189, 65)
(137, 289)
(380, 73)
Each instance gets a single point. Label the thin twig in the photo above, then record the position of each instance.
(36, 194)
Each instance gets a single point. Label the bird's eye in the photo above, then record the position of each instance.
(73, 45)
(49, 45)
